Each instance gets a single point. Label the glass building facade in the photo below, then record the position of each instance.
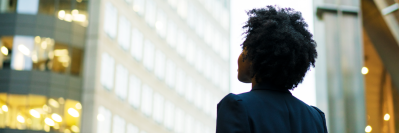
(120, 66)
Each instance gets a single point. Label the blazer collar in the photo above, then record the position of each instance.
(268, 86)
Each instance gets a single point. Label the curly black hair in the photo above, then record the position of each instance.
(279, 46)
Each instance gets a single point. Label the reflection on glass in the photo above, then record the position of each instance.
(7, 6)
(76, 61)
(47, 7)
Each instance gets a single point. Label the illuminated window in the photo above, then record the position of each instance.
(131, 128)
(181, 43)
(22, 51)
(150, 11)
(103, 120)
(171, 37)
(189, 128)
(61, 58)
(182, 8)
(179, 121)
(27, 6)
(191, 51)
(159, 65)
(198, 96)
(110, 18)
(134, 91)
(170, 73)
(138, 6)
(190, 89)
(107, 71)
(169, 115)
(161, 24)
(180, 81)
(148, 60)
(124, 33)
(118, 125)
(136, 49)
(158, 108)
(121, 80)
(146, 100)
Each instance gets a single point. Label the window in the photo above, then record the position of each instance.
(199, 28)
(192, 16)
(224, 83)
(150, 12)
(181, 43)
(161, 24)
(170, 73)
(199, 61)
(171, 37)
(198, 96)
(207, 102)
(134, 91)
(124, 33)
(225, 49)
(136, 49)
(191, 51)
(173, 3)
(179, 121)
(158, 108)
(132, 128)
(225, 19)
(199, 127)
(148, 55)
(182, 8)
(21, 55)
(146, 100)
(138, 6)
(27, 6)
(103, 120)
(216, 75)
(189, 124)
(216, 42)
(107, 71)
(159, 64)
(190, 89)
(128, 1)
(169, 118)
(208, 67)
(209, 33)
(121, 80)
(110, 18)
(180, 81)
(118, 125)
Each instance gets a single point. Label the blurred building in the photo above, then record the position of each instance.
(357, 72)
(134, 66)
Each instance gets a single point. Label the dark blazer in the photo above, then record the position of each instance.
(266, 109)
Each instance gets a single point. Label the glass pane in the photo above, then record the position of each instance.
(190, 89)
(181, 43)
(8, 6)
(118, 125)
(161, 24)
(138, 6)
(121, 81)
(179, 121)
(6, 48)
(158, 108)
(76, 61)
(132, 128)
(160, 64)
(103, 120)
(150, 12)
(137, 44)
(42, 54)
(47, 7)
(110, 18)
(169, 112)
(134, 91)
(180, 81)
(171, 37)
(27, 6)
(61, 57)
(170, 73)
(146, 100)
(107, 71)
(124, 33)
(191, 51)
(149, 55)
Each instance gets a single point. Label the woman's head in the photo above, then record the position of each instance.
(278, 48)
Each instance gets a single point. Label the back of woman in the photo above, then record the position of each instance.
(277, 53)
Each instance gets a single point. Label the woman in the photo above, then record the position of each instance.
(277, 53)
